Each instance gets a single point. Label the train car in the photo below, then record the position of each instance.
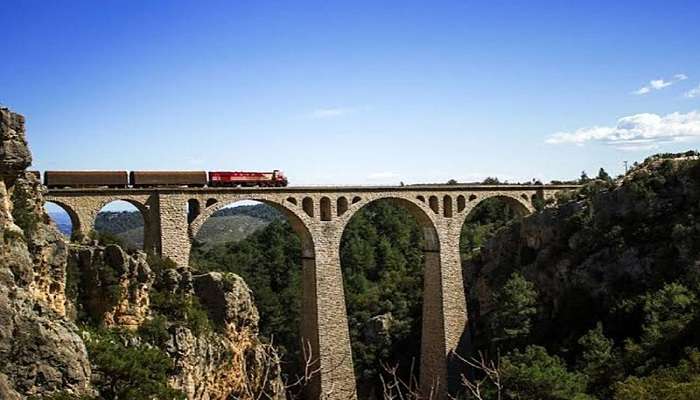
(168, 178)
(80, 179)
(240, 178)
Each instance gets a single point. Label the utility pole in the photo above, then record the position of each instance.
(625, 162)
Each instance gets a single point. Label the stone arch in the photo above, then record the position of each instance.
(297, 221)
(193, 210)
(432, 330)
(308, 205)
(143, 209)
(434, 205)
(210, 202)
(447, 206)
(461, 203)
(292, 200)
(74, 219)
(419, 211)
(341, 205)
(520, 206)
(148, 240)
(325, 208)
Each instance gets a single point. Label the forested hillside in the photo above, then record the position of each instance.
(598, 296)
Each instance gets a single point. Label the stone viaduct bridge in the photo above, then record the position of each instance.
(173, 216)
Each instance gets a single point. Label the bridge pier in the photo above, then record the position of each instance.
(174, 236)
(450, 304)
(325, 317)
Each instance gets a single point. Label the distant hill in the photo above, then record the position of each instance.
(230, 228)
(260, 211)
(234, 224)
(226, 225)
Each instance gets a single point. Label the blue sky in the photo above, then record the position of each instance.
(353, 93)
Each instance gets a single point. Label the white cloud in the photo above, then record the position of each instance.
(332, 112)
(693, 93)
(637, 132)
(382, 175)
(658, 84)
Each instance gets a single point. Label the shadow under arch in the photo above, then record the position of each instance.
(74, 219)
(149, 236)
(309, 327)
(432, 337)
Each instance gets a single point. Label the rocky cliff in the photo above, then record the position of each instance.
(40, 349)
(72, 314)
(591, 256)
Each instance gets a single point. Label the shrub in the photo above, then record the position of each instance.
(535, 375)
(106, 238)
(136, 372)
(181, 308)
(155, 330)
(158, 263)
(681, 382)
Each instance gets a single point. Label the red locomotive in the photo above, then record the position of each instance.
(239, 178)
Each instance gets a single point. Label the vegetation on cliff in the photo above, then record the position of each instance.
(614, 270)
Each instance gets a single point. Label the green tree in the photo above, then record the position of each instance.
(134, 372)
(681, 382)
(533, 374)
(597, 360)
(584, 178)
(603, 175)
(668, 313)
(515, 306)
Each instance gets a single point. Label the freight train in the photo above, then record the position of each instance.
(147, 179)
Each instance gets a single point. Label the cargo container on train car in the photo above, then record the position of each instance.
(81, 179)
(168, 178)
(241, 178)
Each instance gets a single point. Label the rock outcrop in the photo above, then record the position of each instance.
(225, 360)
(114, 285)
(231, 362)
(41, 351)
(47, 285)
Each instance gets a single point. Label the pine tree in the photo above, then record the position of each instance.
(603, 175)
(515, 307)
